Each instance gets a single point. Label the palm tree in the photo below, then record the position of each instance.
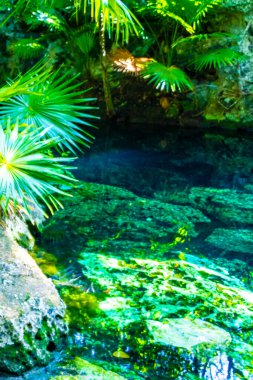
(115, 18)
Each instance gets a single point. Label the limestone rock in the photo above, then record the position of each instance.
(232, 240)
(226, 205)
(100, 212)
(31, 311)
(188, 334)
(232, 98)
(88, 371)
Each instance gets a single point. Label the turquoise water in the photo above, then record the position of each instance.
(154, 260)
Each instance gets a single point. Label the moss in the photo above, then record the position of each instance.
(80, 306)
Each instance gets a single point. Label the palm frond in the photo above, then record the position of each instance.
(23, 83)
(55, 105)
(203, 7)
(216, 59)
(200, 37)
(85, 41)
(166, 9)
(48, 18)
(115, 16)
(26, 48)
(187, 13)
(167, 78)
(29, 175)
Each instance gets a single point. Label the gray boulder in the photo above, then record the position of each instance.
(31, 311)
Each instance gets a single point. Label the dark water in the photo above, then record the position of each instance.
(164, 167)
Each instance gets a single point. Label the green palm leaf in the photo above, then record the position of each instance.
(166, 78)
(114, 15)
(216, 59)
(26, 48)
(29, 175)
(203, 7)
(200, 37)
(55, 105)
(22, 85)
(187, 13)
(85, 41)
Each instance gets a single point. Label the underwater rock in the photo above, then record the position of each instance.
(188, 334)
(31, 311)
(232, 240)
(226, 205)
(88, 371)
(166, 305)
(99, 212)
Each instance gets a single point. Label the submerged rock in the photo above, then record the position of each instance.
(226, 205)
(189, 334)
(31, 311)
(232, 240)
(176, 309)
(99, 212)
(88, 371)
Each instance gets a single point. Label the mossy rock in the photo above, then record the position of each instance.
(88, 371)
(193, 335)
(116, 214)
(232, 240)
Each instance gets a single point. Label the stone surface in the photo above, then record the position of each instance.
(17, 228)
(231, 100)
(98, 212)
(188, 334)
(226, 205)
(232, 240)
(31, 311)
(89, 371)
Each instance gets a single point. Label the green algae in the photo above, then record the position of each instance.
(135, 277)
(81, 306)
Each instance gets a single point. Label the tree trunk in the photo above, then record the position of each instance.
(106, 85)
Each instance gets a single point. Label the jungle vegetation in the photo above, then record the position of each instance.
(54, 51)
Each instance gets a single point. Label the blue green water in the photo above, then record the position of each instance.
(135, 260)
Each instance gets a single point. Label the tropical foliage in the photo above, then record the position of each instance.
(53, 105)
(81, 39)
(29, 174)
(40, 113)
(185, 18)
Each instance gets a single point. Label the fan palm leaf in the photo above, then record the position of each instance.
(55, 105)
(26, 48)
(166, 78)
(29, 174)
(216, 59)
(116, 17)
(22, 85)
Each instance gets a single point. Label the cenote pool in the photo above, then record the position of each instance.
(153, 256)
